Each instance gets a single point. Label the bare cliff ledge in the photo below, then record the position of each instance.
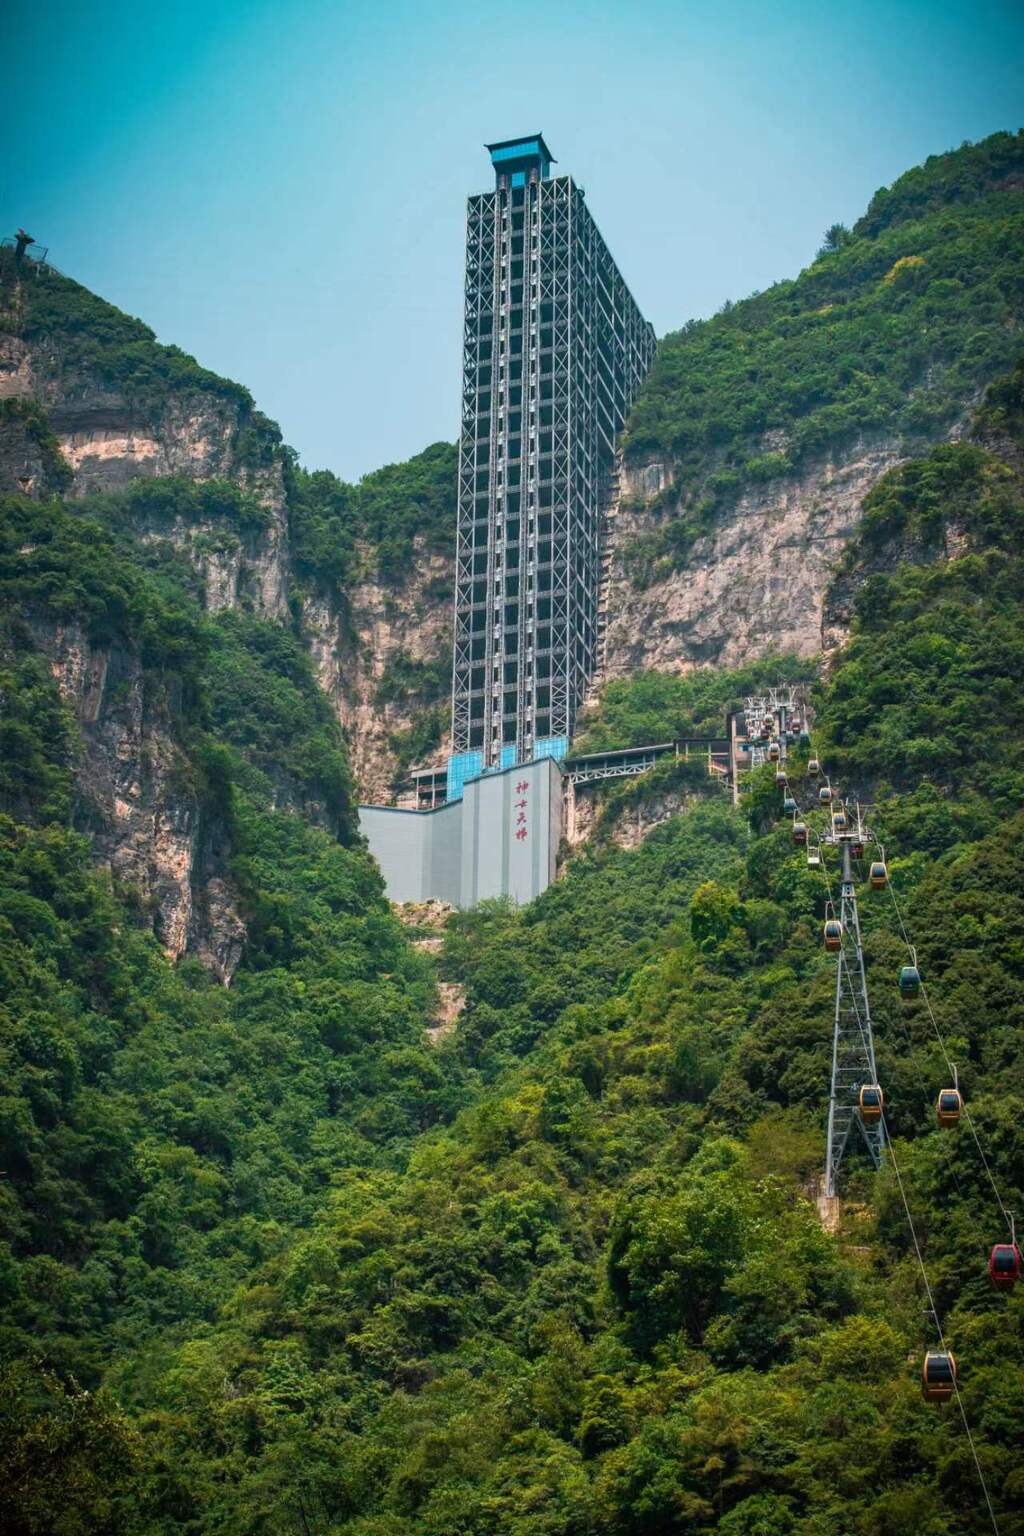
(355, 646)
(754, 585)
(91, 403)
(137, 800)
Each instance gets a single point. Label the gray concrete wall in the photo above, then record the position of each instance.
(500, 839)
(418, 851)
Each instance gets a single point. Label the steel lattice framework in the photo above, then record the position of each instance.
(853, 1046)
(555, 350)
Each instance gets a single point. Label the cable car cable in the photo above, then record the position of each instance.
(938, 1325)
(942, 1047)
(906, 1205)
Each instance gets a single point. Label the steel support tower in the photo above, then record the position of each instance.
(853, 1046)
(555, 350)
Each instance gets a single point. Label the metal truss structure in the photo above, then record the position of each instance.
(627, 762)
(777, 716)
(555, 350)
(771, 715)
(853, 1046)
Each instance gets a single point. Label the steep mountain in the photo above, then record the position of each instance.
(746, 461)
(760, 432)
(91, 403)
(564, 1272)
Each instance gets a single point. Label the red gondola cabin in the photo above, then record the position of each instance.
(1004, 1266)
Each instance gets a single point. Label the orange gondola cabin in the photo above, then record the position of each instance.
(938, 1376)
(948, 1106)
(872, 1102)
(833, 934)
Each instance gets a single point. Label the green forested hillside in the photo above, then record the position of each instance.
(162, 1135)
(563, 1272)
(896, 325)
(274, 1263)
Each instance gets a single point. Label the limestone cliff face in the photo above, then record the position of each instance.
(755, 585)
(107, 438)
(354, 642)
(587, 818)
(137, 798)
(66, 427)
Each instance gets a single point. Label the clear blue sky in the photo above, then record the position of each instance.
(279, 187)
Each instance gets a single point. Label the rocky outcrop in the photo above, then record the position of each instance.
(353, 644)
(755, 585)
(138, 799)
(590, 819)
(66, 427)
(107, 440)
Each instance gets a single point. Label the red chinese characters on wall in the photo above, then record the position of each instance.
(520, 809)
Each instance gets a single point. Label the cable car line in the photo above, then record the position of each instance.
(842, 935)
(1007, 1216)
(938, 1326)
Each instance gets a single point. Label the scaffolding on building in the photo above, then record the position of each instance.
(555, 350)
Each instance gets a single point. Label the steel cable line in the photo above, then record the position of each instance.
(938, 1326)
(952, 1070)
(903, 1194)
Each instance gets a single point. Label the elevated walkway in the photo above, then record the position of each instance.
(592, 767)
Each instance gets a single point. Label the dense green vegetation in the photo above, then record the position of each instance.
(669, 706)
(75, 332)
(889, 331)
(559, 1273)
(270, 1262)
(87, 334)
(29, 417)
(385, 511)
(164, 1136)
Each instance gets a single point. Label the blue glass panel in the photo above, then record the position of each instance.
(518, 151)
(461, 767)
(551, 746)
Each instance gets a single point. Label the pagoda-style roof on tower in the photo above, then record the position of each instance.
(510, 155)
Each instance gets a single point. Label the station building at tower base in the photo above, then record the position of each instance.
(500, 838)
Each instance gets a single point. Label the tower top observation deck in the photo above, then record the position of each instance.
(521, 160)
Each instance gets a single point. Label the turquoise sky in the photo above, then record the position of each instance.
(279, 187)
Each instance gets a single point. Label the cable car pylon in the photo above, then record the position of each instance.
(853, 1045)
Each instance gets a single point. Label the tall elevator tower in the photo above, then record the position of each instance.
(555, 350)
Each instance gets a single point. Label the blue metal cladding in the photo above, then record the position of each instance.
(551, 746)
(461, 767)
(522, 149)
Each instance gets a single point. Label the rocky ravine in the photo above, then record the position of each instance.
(352, 645)
(136, 799)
